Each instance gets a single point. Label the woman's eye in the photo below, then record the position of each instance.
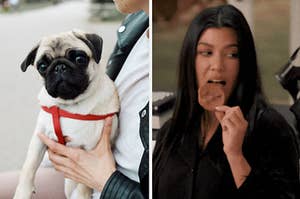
(205, 53)
(233, 55)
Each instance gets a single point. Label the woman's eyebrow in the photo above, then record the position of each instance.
(231, 45)
(204, 43)
(210, 45)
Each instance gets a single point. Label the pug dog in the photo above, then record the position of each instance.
(76, 98)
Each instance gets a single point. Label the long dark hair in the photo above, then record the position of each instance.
(187, 110)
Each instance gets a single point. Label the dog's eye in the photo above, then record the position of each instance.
(81, 59)
(78, 57)
(42, 67)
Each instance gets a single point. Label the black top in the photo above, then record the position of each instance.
(270, 149)
(211, 164)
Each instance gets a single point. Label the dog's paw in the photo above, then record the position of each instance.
(24, 192)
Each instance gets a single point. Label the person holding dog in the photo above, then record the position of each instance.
(101, 173)
(223, 140)
(123, 172)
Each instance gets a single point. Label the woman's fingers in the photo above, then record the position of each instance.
(230, 117)
(219, 115)
(69, 172)
(72, 153)
(222, 108)
(60, 160)
(228, 124)
(233, 113)
(233, 118)
(105, 136)
(240, 114)
(66, 165)
(54, 146)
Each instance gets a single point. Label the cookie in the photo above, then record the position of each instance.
(211, 95)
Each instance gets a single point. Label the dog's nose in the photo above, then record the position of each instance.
(60, 68)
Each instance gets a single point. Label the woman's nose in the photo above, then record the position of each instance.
(217, 63)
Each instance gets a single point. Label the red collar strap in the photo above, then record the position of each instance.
(56, 113)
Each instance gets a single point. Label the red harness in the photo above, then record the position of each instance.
(56, 113)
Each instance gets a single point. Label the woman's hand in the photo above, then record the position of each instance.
(92, 168)
(234, 127)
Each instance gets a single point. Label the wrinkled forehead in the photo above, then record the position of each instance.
(57, 45)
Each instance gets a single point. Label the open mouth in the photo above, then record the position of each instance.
(222, 82)
(212, 94)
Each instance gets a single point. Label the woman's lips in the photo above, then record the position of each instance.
(214, 81)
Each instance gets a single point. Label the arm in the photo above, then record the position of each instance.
(240, 168)
(268, 164)
(234, 127)
(273, 156)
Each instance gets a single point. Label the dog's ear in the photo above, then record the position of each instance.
(29, 60)
(93, 41)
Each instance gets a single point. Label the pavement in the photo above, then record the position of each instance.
(19, 32)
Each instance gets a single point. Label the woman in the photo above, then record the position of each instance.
(223, 140)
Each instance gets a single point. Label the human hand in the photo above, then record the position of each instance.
(234, 127)
(92, 168)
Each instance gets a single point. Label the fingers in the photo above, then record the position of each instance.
(105, 135)
(222, 108)
(229, 116)
(58, 148)
(67, 139)
(221, 111)
(66, 165)
(52, 145)
(232, 112)
(227, 124)
(107, 129)
(58, 160)
(233, 117)
(219, 115)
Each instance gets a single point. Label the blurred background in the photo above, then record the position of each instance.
(274, 23)
(22, 24)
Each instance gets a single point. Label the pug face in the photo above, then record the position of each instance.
(67, 62)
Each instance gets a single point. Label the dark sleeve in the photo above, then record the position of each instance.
(119, 186)
(295, 108)
(274, 160)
